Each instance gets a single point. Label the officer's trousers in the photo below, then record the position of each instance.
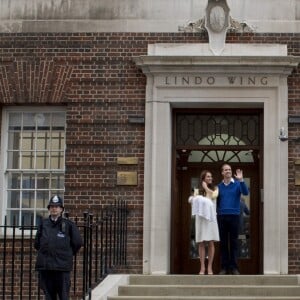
(55, 284)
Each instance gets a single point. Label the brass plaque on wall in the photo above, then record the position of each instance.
(127, 178)
(127, 160)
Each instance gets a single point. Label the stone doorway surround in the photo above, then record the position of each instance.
(190, 76)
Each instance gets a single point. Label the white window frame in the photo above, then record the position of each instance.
(4, 148)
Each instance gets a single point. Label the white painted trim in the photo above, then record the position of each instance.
(160, 99)
(3, 153)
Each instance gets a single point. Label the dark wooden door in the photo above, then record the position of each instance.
(187, 168)
(249, 238)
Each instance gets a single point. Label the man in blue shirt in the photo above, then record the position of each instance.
(228, 213)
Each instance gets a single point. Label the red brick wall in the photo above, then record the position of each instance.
(94, 77)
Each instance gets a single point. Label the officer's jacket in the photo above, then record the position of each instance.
(56, 243)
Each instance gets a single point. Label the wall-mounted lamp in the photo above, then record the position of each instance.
(283, 134)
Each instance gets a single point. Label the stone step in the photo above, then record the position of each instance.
(199, 298)
(214, 279)
(208, 290)
(214, 287)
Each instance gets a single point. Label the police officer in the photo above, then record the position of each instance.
(57, 240)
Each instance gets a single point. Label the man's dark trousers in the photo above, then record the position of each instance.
(229, 232)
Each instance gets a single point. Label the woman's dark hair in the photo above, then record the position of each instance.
(210, 186)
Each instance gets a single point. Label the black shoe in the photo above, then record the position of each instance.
(235, 272)
(223, 272)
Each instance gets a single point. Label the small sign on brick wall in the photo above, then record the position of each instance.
(127, 160)
(127, 178)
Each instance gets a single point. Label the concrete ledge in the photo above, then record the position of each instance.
(127, 25)
(139, 15)
(109, 286)
(184, 49)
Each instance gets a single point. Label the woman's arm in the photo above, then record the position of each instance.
(212, 194)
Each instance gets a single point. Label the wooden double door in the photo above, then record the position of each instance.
(189, 164)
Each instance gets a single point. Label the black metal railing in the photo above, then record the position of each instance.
(104, 251)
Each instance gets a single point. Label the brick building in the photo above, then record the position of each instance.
(131, 101)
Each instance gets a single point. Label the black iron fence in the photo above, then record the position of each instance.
(104, 250)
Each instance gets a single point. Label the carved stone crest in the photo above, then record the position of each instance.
(217, 22)
(217, 16)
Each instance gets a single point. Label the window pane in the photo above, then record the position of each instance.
(42, 161)
(58, 121)
(43, 141)
(217, 155)
(56, 192)
(15, 121)
(35, 147)
(28, 141)
(42, 199)
(57, 141)
(40, 215)
(244, 226)
(42, 121)
(193, 251)
(42, 181)
(13, 160)
(27, 217)
(28, 181)
(12, 217)
(13, 199)
(13, 140)
(57, 181)
(27, 161)
(13, 181)
(194, 129)
(57, 160)
(28, 121)
(28, 199)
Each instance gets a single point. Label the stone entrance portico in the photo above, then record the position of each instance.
(188, 75)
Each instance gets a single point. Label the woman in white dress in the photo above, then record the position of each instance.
(206, 227)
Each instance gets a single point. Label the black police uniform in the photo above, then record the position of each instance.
(56, 242)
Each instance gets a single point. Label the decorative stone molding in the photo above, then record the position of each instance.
(193, 26)
(235, 26)
(217, 17)
(216, 22)
(190, 78)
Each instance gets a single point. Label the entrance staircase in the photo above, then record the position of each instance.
(213, 287)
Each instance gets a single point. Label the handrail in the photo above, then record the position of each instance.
(104, 249)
